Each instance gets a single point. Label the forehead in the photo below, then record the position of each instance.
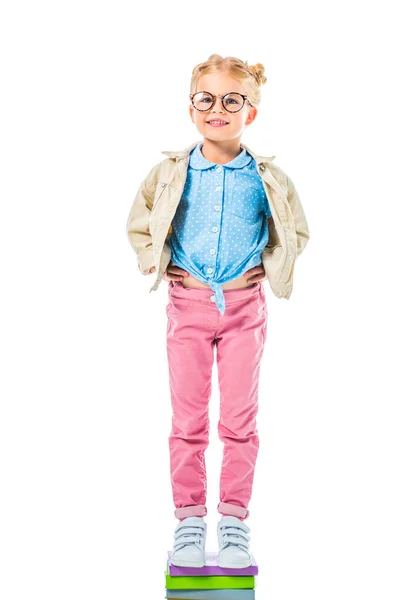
(219, 84)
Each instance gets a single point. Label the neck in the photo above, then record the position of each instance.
(220, 152)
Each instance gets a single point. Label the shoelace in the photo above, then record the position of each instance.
(234, 536)
(188, 535)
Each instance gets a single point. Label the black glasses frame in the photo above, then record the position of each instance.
(245, 98)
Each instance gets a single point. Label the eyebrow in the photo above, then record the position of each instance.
(230, 92)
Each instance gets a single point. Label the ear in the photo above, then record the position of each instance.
(191, 112)
(251, 115)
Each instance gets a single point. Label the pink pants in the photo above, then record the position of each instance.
(194, 327)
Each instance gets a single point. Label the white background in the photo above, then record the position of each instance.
(86, 503)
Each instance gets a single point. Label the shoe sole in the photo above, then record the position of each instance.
(242, 565)
(187, 563)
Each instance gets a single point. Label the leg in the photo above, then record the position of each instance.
(190, 351)
(240, 346)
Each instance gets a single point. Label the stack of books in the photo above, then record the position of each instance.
(210, 582)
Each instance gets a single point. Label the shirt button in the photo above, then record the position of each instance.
(218, 188)
(215, 228)
(262, 167)
(219, 169)
(212, 298)
(209, 270)
(217, 207)
(212, 251)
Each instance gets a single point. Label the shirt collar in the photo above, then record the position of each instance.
(183, 154)
(198, 161)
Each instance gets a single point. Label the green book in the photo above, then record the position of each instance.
(216, 582)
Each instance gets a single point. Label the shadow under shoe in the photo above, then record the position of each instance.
(189, 543)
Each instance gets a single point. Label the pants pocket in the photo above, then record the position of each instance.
(178, 305)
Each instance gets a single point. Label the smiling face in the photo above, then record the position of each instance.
(220, 84)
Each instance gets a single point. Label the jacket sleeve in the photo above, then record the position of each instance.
(300, 220)
(137, 227)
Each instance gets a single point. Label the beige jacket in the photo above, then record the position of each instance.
(149, 222)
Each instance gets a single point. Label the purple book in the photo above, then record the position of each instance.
(210, 568)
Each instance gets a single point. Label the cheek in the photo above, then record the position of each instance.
(200, 120)
(238, 120)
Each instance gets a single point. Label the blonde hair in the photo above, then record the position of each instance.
(250, 76)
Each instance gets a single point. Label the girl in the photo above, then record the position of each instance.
(215, 220)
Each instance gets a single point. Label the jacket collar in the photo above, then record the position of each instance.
(186, 152)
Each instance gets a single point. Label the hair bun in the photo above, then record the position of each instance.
(257, 71)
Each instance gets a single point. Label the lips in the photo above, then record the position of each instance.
(217, 120)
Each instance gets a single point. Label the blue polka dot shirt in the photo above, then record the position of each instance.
(220, 229)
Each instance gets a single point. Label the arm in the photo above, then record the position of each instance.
(137, 227)
(299, 217)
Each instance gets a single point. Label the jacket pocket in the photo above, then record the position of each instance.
(161, 186)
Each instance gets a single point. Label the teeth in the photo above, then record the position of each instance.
(218, 122)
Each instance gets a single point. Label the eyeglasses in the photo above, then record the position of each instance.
(204, 101)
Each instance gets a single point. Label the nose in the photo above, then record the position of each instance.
(221, 106)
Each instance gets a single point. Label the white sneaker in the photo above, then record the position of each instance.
(233, 541)
(189, 543)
